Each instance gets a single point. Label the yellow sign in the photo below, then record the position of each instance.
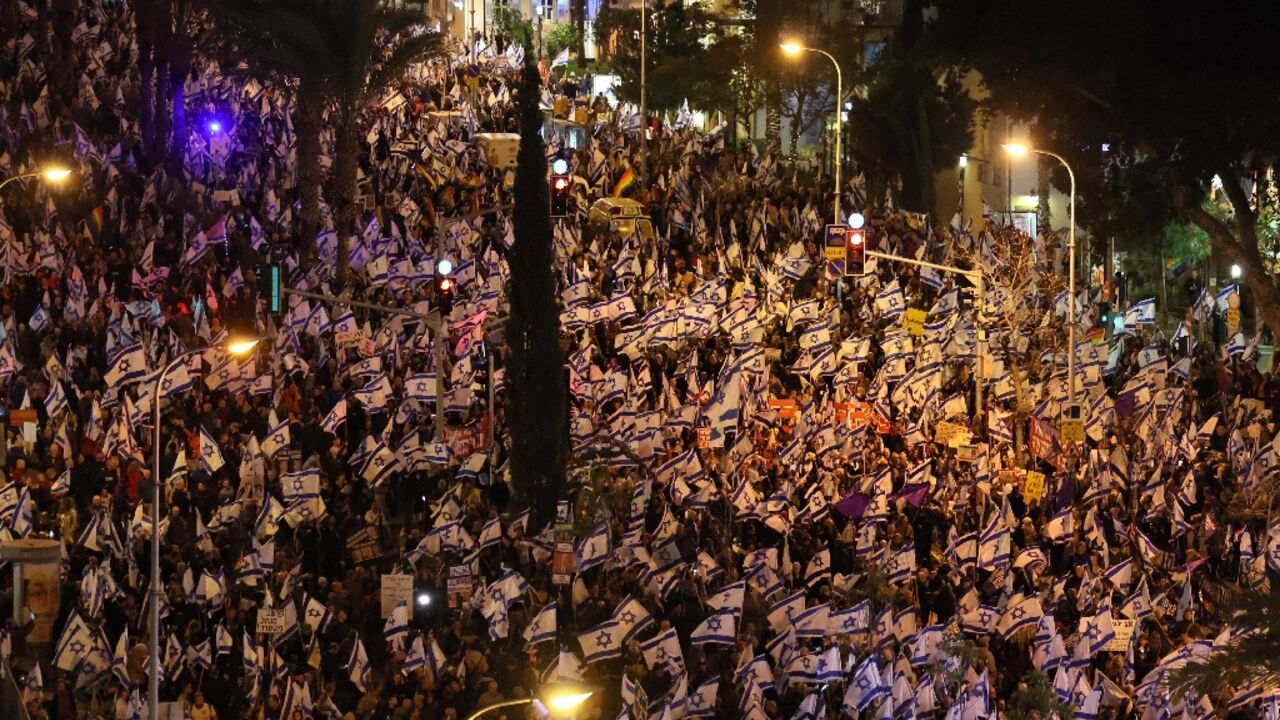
(951, 434)
(913, 320)
(837, 252)
(1071, 431)
(1033, 489)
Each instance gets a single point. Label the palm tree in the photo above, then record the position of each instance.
(375, 45)
(1250, 659)
(341, 54)
(179, 53)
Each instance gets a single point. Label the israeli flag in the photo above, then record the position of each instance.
(543, 627)
(718, 629)
(1143, 313)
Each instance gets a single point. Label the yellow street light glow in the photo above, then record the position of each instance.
(241, 347)
(55, 174)
(566, 702)
(792, 48)
(1016, 149)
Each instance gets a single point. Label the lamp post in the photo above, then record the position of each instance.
(235, 347)
(793, 49)
(644, 112)
(560, 699)
(52, 174)
(1019, 150)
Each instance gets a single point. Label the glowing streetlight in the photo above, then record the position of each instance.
(1016, 149)
(561, 698)
(56, 174)
(51, 174)
(1020, 150)
(566, 702)
(793, 49)
(240, 348)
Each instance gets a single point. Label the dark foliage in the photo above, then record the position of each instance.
(535, 382)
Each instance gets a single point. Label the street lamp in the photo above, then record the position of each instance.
(793, 49)
(1020, 150)
(238, 347)
(560, 698)
(52, 174)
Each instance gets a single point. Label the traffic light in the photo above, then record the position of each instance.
(1104, 314)
(445, 285)
(855, 244)
(560, 185)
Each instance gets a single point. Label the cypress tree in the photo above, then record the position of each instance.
(535, 380)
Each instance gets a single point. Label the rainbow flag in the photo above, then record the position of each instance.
(1097, 335)
(626, 183)
(96, 220)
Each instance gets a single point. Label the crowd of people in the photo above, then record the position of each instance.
(793, 497)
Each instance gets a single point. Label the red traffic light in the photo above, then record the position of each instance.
(560, 195)
(855, 247)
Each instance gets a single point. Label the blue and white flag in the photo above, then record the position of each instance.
(865, 688)
(543, 625)
(632, 618)
(300, 485)
(602, 642)
(784, 612)
(594, 550)
(127, 366)
(702, 702)
(396, 628)
(718, 629)
(1142, 313)
(417, 657)
(357, 667)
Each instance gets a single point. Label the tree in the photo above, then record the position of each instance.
(1250, 658)
(144, 26)
(680, 67)
(511, 27)
(1145, 102)
(1021, 321)
(179, 53)
(373, 45)
(561, 37)
(889, 150)
(343, 54)
(1035, 698)
(535, 382)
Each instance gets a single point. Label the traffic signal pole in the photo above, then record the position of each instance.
(980, 285)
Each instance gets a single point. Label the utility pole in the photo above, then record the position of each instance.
(644, 112)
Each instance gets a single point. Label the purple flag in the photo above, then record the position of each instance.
(854, 505)
(913, 493)
(1126, 403)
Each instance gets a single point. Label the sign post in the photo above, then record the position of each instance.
(835, 251)
(564, 561)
